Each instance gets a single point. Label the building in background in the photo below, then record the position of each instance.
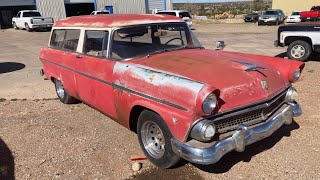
(288, 6)
(64, 8)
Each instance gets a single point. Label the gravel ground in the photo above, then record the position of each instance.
(41, 138)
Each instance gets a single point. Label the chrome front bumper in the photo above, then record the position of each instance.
(244, 136)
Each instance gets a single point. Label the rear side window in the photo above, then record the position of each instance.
(315, 8)
(96, 43)
(65, 39)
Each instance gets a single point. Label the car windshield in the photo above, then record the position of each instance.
(315, 8)
(271, 13)
(31, 14)
(103, 12)
(295, 13)
(147, 40)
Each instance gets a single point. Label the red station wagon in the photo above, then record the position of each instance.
(151, 74)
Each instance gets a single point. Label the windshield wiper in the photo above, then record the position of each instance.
(174, 49)
(158, 52)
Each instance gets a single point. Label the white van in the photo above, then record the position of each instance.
(179, 13)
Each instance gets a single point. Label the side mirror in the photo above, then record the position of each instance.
(220, 45)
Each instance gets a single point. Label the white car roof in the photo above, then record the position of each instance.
(174, 11)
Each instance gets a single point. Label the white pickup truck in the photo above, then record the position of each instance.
(31, 19)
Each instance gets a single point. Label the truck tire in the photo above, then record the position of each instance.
(299, 50)
(27, 27)
(15, 25)
(63, 94)
(155, 140)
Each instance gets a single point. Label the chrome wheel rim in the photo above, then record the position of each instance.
(60, 89)
(153, 139)
(298, 51)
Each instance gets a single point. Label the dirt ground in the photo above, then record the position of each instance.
(41, 138)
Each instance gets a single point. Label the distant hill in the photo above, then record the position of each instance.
(235, 8)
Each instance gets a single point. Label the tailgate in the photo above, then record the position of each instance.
(42, 20)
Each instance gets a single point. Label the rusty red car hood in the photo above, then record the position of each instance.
(225, 71)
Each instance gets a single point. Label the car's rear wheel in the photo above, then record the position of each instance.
(28, 27)
(63, 94)
(155, 140)
(299, 50)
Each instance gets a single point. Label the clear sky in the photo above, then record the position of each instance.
(204, 1)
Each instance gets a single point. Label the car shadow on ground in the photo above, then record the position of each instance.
(6, 162)
(312, 58)
(6, 67)
(231, 159)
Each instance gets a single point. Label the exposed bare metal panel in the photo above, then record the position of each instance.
(54, 9)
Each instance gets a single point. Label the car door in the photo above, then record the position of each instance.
(64, 44)
(94, 84)
(18, 20)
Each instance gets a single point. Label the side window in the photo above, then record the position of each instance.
(96, 43)
(57, 38)
(71, 39)
(65, 39)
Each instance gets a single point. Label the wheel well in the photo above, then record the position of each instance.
(52, 79)
(291, 39)
(134, 115)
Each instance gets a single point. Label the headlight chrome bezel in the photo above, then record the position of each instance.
(203, 131)
(291, 95)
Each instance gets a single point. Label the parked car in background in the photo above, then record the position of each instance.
(272, 17)
(100, 12)
(31, 19)
(294, 17)
(302, 39)
(152, 75)
(184, 15)
(253, 17)
(312, 15)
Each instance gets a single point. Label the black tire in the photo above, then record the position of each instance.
(15, 26)
(169, 158)
(64, 96)
(259, 24)
(307, 50)
(27, 27)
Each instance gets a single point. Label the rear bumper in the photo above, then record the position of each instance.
(242, 137)
(34, 26)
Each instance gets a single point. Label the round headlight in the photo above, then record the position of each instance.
(209, 104)
(296, 75)
(203, 131)
(291, 95)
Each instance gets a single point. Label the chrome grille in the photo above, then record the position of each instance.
(260, 114)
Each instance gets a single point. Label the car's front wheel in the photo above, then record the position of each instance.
(155, 140)
(15, 26)
(63, 94)
(299, 50)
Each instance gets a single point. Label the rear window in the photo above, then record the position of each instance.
(184, 14)
(65, 39)
(31, 14)
(168, 13)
